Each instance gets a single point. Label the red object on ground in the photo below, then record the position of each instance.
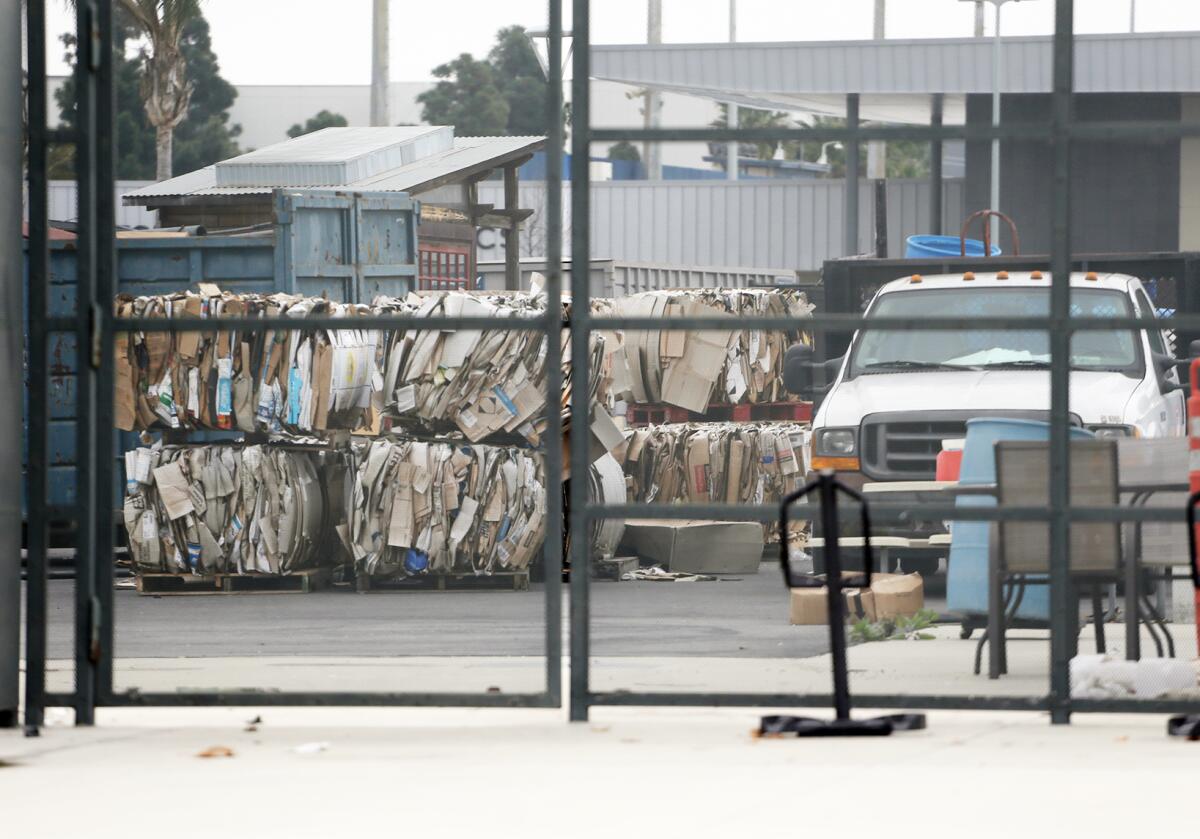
(949, 463)
(1193, 410)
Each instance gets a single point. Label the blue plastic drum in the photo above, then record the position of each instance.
(936, 247)
(967, 575)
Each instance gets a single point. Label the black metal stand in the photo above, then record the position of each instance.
(1188, 725)
(827, 487)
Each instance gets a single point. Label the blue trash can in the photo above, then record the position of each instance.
(935, 247)
(967, 574)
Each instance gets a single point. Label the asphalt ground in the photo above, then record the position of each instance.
(743, 616)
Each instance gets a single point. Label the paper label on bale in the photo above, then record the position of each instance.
(698, 468)
(406, 399)
(173, 490)
(786, 455)
(353, 369)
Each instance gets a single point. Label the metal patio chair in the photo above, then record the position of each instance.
(1021, 549)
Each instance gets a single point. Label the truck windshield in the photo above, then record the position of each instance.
(891, 351)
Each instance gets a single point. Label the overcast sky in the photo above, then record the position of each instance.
(327, 42)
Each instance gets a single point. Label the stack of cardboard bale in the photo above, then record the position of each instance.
(289, 381)
(445, 507)
(693, 369)
(701, 463)
(711, 462)
(439, 506)
(227, 509)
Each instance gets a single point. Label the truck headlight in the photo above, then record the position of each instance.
(836, 442)
(1113, 430)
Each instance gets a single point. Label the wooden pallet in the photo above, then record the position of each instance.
(517, 580)
(641, 415)
(300, 582)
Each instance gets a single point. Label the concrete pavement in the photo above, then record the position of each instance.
(629, 772)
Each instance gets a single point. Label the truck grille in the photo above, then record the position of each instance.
(906, 450)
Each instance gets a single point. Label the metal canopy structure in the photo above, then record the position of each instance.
(95, 327)
(468, 158)
(895, 79)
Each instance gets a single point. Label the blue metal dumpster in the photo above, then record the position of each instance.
(348, 246)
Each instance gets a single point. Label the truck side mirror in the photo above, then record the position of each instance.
(798, 370)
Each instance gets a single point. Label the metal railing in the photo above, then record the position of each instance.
(95, 327)
(1059, 132)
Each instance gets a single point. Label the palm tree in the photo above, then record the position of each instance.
(166, 91)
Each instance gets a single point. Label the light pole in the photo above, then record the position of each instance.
(732, 159)
(380, 68)
(994, 196)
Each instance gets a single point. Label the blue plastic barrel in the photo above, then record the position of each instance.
(935, 247)
(967, 574)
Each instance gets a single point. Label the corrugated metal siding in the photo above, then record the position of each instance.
(62, 204)
(771, 225)
(1164, 62)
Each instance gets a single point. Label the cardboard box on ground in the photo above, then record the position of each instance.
(890, 596)
(697, 547)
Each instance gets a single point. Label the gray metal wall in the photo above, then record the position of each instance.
(62, 204)
(1124, 196)
(790, 225)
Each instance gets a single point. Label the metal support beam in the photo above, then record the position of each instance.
(11, 356)
(1064, 608)
(935, 167)
(850, 243)
(102, 354)
(552, 548)
(36, 606)
(512, 235)
(580, 248)
(87, 613)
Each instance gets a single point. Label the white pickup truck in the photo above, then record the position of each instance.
(897, 395)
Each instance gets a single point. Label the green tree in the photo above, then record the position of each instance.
(624, 150)
(323, 119)
(905, 158)
(467, 97)
(166, 89)
(206, 137)
(754, 118)
(521, 81)
(503, 94)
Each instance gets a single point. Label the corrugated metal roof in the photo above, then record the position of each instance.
(780, 74)
(470, 154)
(335, 155)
